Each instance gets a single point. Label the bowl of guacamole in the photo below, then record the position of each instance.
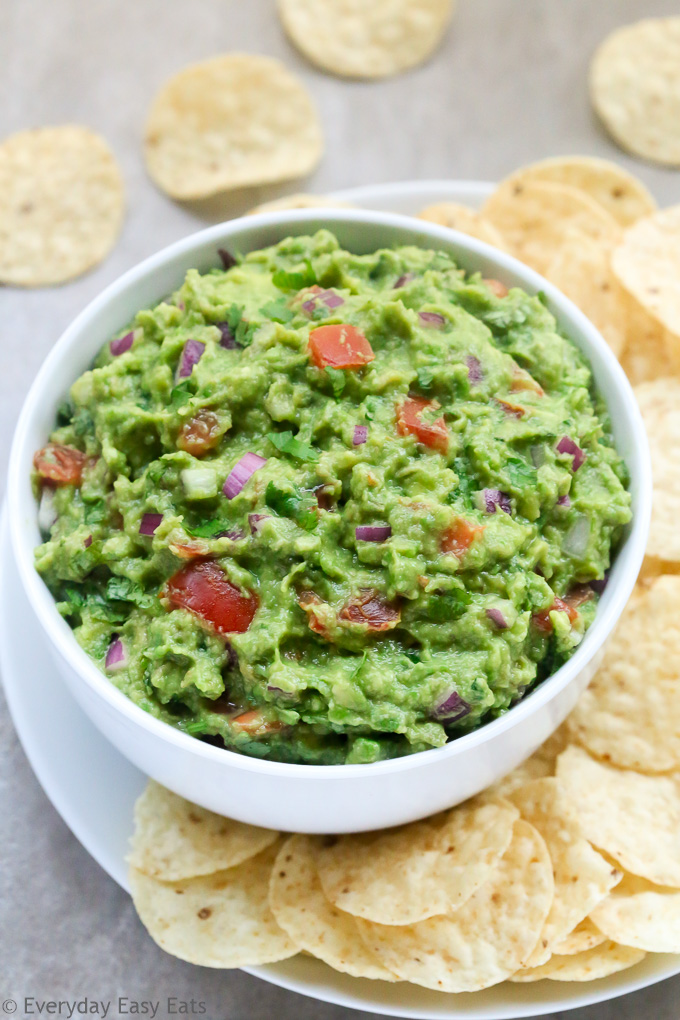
(330, 494)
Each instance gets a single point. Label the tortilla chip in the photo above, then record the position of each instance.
(358, 40)
(659, 402)
(630, 714)
(584, 936)
(647, 262)
(583, 878)
(460, 217)
(219, 920)
(581, 269)
(405, 875)
(623, 196)
(635, 88)
(175, 839)
(539, 765)
(61, 205)
(535, 218)
(299, 201)
(300, 907)
(633, 818)
(651, 352)
(230, 122)
(604, 959)
(488, 938)
(640, 914)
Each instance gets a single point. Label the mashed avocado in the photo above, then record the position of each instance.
(322, 507)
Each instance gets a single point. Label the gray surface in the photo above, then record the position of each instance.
(508, 86)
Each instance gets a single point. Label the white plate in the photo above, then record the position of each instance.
(94, 788)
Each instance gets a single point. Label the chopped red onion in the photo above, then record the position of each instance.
(496, 616)
(255, 520)
(227, 338)
(235, 535)
(599, 584)
(329, 298)
(403, 280)
(47, 514)
(309, 306)
(360, 435)
(452, 707)
(149, 524)
(88, 542)
(241, 472)
(564, 501)
(493, 498)
(116, 656)
(576, 539)
(373, 532)
(123, 344)
(226, 258)
(432, 319)
(180, 305)
(191, 355)
(567, 445)
(474, 367)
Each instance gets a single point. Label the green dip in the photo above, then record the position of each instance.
(408, 554)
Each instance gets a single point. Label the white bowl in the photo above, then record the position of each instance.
(317, 798)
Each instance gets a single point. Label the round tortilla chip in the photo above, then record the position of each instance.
(358, 40)
(635, 88)
(535, 218)
(583, 878)
(230, 122)
(659, 402)
(604, 959)
(466, 220)
(539, 765)
(299, 201)
(219, 920)
(300, 907)
(651, 352)
(584, 936)
(633, 818)
(647, 262)
(61, 205)
(405, 875)
(623, 196)
(630, 714)
(581, 269)
(175, 839)
(640, 914)
(488, 938)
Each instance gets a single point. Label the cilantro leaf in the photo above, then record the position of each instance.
(277, 311)
(126, 590)
(338, 379)
(287, 443)
(95, 513)
(295, 279)
(295, 503)
(241, 329)
(209, 529)
(449, 606)
(181, 394)
(425, 376)
(521, 473)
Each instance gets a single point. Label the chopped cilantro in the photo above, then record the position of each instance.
(338, 379)
(520, 472)
(126, 590)
(181, 394)
(295, 279)
(295, 503)
(287, 443)
(277, 311)
(425, 377)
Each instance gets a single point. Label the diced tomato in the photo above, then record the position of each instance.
(512, 409)
(255, 725)
(459, 537)
(522, 380)
(189, 550)
(200, 434)
(496, 287)
(430, 433)
(204, 589)
(542, 620)
(309, 600)
(369, 608)
(339, 346)
(62, 465)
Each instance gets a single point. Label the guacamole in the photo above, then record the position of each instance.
(322, 507)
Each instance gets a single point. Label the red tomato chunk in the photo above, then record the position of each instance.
(62, 465)
(205, 590)
(430, 433)
(460, 536)
(339, 346)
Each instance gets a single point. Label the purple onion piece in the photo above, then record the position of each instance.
(493, 498)
(563, 501)
(497, 618)
(309, 306)
(360, 435)
(432, 319)
(191, 355)
(150, 523)
(452, 708)
(241, 472)
(330, 298)
(599, 584)
(116, 655)
(226, 258)
(474, 367)
(180, 305)
(123, 344)
(227, 338)
(255, 520)
(403, 280)
(372, 532)
(567, 445)
(88, 541)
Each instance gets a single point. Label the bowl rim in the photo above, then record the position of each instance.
(289, 222)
